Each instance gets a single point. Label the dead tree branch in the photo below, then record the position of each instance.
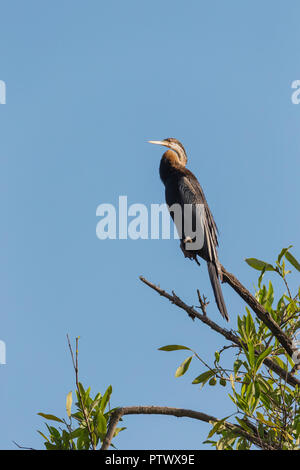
(229, 335)
(179, 413)
(258, 309)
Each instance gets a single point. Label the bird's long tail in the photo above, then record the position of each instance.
(214, 279)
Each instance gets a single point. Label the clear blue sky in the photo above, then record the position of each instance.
(88, 83)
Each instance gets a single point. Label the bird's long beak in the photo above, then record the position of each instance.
(157, 142)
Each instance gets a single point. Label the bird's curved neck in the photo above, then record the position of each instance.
(169, 165)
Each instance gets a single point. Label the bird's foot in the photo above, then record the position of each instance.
(188, 253)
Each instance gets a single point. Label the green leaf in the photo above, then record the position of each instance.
(105, 398)
(217, 427)
(292, 260)
(261, 418)
(43, 435)
(66, 438)
(183, 367)
(259, 264)
(261, 277)
(244, 425)
(172, 347)
(118, 430)
(50, 446)
(69, 403)
(232, 398)
(81, 393)
(282, 253)
(100, 423)
(50, 417)
(54, 432)
(231, 378)
(270, 294)
(203, 378)
(250, 391)
(242, 444)
(76, 433)
(262, 295)
(217, 356)
(251, 354)
(83, 441)
(263, 355)
(250, 328)
(95, 403)
(237, 364)
(279, 362)
(256, 396)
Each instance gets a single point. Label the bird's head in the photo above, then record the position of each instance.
(176, 146)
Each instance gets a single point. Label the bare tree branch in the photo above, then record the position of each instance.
(229, 335)
(179, 413)
(258, 309)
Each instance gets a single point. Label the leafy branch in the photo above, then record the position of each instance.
(261, 381)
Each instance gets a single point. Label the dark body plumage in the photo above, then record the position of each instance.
(182, 187)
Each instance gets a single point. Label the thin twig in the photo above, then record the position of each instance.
(203, 302)
(287, 286)
(22, 447)
(75, 365)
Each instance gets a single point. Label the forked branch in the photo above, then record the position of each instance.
(229, 335)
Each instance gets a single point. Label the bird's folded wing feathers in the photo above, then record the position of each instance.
(192, 193)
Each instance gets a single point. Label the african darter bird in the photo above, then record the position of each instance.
(182, 188)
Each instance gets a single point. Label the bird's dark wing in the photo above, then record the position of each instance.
(183, 189)
(200, 195)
